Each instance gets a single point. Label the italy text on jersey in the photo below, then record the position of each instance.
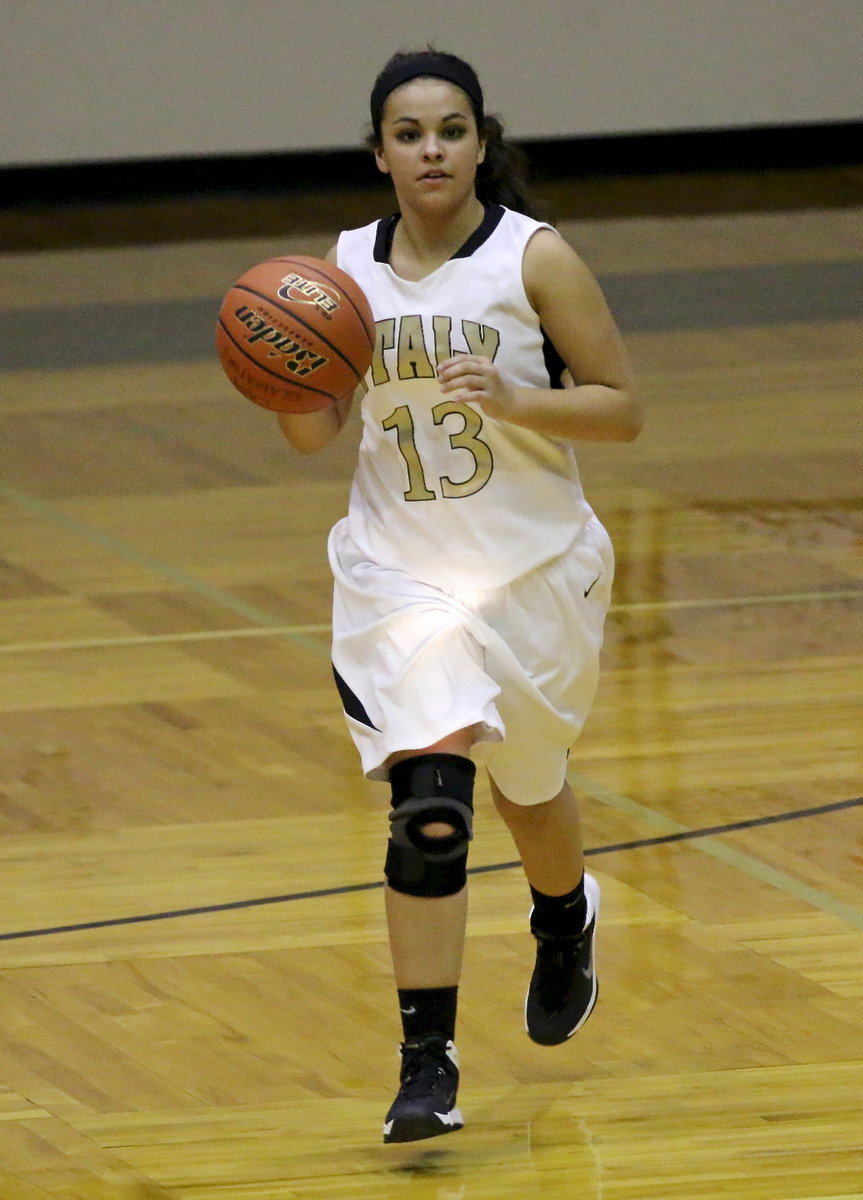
(421, 346)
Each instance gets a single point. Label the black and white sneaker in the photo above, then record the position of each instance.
(563, 987)
(426, 1102)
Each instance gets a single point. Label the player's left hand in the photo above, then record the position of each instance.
(478, 379)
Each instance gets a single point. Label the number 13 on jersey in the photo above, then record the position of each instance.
(465, 438)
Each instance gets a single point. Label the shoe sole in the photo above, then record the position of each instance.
(416, 1129)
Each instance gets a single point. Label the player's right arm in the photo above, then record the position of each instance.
(312, 431)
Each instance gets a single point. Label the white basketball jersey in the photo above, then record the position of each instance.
(443, 491)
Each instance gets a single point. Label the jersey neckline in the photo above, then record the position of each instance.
(387, 227)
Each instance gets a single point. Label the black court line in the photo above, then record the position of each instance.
(347, 889)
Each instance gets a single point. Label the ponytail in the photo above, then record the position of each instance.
(502, 177)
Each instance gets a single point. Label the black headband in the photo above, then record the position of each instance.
(439, 66)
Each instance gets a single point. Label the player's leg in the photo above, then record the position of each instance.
(548, 839)
(426, 907)
(563, 988)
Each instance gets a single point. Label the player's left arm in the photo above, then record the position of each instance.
(600, 401)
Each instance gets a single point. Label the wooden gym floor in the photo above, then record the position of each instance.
(194, 980)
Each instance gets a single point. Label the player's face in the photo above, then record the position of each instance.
(430, 145)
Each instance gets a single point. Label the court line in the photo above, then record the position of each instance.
(265, 623)
(150, 639)
(738, 859)
(300, 632)
(678, 834)
(140, 558)
(741, 601)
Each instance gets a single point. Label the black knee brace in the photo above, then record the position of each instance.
(428, 788)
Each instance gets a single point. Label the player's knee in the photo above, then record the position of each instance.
(431, 824)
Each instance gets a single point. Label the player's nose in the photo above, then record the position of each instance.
(432, 148)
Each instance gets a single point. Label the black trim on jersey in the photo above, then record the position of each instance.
(554, 364)
(384, 238)
(491, 220)
(351, 702)
(489, 223)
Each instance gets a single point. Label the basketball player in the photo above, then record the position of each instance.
(472, 578)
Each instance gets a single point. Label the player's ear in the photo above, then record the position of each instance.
(381, 160)
(480, 158)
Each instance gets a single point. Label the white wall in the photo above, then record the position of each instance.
(91, 80)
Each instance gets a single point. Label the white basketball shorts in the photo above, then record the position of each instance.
(517, 664)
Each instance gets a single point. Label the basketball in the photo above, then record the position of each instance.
(295, 334)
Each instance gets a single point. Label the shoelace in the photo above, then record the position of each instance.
(421, 1072)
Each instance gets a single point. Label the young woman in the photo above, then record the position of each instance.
(472, 578)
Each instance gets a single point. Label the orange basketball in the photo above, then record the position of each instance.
(295, 334)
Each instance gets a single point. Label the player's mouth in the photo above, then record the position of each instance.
(435, 174)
